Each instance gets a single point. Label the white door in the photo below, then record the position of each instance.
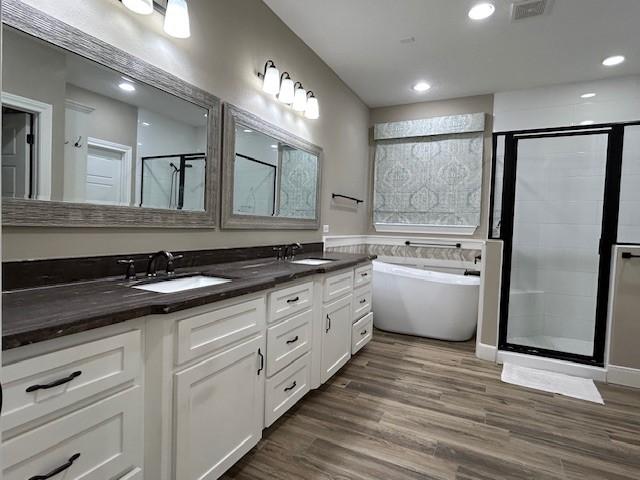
(219, 411)
(105, 176)
(16, 155)
(336, 341)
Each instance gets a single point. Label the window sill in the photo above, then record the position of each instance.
(435, 229)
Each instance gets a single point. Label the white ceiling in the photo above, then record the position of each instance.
(361, 41)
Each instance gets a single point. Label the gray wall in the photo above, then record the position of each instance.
(231, 40)
(454, 106)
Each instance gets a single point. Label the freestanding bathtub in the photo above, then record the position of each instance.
(425, 303)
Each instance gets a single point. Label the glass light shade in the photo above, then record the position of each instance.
(271, 80)
(312, 111)
(300, 100)
(176, 19)
(286, 94)
(143, 7)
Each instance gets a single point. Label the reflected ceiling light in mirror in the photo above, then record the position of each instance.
(127, 87)
(274, 146)
(312, 110)
(421, 87)
(480, 11)
(588, 95)
(286, 94)
(176, 19)
(246, 130)
(587, 122)
(270, 78)
(143, 7)
(613, 60)
(300, 98)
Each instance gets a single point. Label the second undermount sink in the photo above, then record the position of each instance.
(313, 261)
(182, 284)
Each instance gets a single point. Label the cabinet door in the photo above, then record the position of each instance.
(219, 410)
(336, 339)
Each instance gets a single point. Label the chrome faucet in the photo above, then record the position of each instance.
(153, 260)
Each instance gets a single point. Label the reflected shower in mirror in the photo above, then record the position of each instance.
(76, 131)
(272, 178)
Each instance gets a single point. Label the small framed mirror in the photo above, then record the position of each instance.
(92, 136)
(271, 178)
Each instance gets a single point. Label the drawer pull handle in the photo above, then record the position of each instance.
(58, 470)
(56, 383)
(364, 274)
(328, 324)
(363, 333)
(293, 300)
(364, 300)
(293, 340)
(293, 385)
(261, 361)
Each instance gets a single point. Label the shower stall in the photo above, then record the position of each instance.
(555, 204)
(175, 182)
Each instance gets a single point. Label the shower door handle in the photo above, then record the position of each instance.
(629, 255)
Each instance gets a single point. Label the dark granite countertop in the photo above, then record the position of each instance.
(36, 314)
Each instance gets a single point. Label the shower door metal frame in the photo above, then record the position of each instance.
(608, 236)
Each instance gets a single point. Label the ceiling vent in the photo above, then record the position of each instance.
(529, 8)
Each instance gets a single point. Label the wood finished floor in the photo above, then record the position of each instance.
(408, 408)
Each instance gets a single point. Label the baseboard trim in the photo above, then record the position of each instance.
(629, 377)
(486, 352)
(553, 365)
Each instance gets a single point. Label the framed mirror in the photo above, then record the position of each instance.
(92, 136)
(271, 178)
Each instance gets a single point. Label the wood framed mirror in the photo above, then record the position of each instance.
(271, 179)
(95, 137)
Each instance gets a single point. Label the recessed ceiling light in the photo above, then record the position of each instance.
(481, 11)
(588, 95)
(421, 87)
(587, 122)
(127, 87)
(614, 60)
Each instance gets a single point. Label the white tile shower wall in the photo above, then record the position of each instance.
(616, 100)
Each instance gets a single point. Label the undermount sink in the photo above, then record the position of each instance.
(182, 284)
(312, 261)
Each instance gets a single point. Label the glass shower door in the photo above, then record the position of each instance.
(556, 256)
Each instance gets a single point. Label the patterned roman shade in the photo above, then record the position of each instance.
(429, 172)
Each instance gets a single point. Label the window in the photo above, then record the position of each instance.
(428, 175)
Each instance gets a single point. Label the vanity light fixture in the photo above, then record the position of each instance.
(480, 11)
(613, 60)
(270, 78)
(286, 94)
(300, 98)
(312, 110)
(176, 19)
(143, 7)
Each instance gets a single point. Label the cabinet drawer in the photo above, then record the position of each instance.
(41, 385)
(286, 388)
(288, 340)
(103, 440)
(361, 302)
(208, 331)
(363, 275)
(362, 333)
(338, 285)
(289, 300)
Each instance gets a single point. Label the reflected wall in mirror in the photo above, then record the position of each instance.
(88, 129)
(272, 178)
(112, 140)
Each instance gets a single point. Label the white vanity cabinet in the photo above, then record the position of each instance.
(218, 410)
(336, 339)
